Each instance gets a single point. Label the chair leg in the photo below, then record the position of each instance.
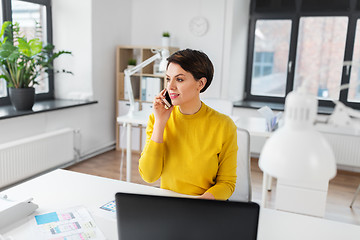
(356, 193)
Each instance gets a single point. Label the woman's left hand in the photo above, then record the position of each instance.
(207, 195)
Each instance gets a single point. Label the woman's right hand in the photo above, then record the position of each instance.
(160, 112)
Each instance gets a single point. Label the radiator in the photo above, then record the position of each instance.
(27, 157)
(346, 149)
(345, 143)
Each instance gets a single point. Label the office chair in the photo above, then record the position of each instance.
(243, 182)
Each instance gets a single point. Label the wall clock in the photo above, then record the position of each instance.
(198, 26)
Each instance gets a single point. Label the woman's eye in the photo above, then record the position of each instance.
(179, 79)
(167, 79)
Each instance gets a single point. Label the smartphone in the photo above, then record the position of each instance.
(167, 99)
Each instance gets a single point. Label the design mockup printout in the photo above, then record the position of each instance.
(70, 224)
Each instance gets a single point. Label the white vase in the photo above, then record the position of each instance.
(165, 41)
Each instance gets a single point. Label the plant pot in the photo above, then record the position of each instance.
(22, 98)
(129, 67)
(165, 41)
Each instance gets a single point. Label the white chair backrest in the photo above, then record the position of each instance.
(243, 182)
(221, 105)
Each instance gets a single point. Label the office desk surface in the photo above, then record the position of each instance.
(63, 189)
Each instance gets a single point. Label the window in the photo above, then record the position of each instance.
(354, 89)
(320, 54)
(3, 90)
(34, 18)
(304, 40)
(271, 53)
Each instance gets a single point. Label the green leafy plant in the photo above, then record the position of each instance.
(132, 61)
(166, 34)
(22, 61)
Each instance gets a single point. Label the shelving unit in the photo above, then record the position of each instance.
(138, 82)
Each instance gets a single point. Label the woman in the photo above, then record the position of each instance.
(190, 146)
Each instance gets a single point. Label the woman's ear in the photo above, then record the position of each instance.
(202, 82)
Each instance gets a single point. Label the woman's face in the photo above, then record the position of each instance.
(183, 89)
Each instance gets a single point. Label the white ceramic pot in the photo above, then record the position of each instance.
(165, 41)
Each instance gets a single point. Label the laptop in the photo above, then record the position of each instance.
(171, 218)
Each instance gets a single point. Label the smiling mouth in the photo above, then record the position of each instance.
(173, 95)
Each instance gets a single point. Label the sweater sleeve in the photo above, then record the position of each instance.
(226, 175)
(152, 156)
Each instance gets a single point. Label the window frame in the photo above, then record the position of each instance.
(7, 16)
(294, 16)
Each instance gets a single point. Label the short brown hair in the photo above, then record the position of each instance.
(195, 62)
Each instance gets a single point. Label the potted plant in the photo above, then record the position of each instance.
(165, 41)
(22, 61)
(131, 63)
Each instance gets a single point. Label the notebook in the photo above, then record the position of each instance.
(171, 218)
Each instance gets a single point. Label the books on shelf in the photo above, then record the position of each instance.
(135, 85)
(143, 89)
(150, 88)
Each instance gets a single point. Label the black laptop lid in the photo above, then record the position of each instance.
(169, 218)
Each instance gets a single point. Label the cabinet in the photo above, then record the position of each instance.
(146, 83)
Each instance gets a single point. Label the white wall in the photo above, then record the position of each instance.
(235, 51)
(110, 21)
(93, 28)
(73, 32)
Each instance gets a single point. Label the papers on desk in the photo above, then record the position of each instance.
(272, 119)
(108, 210)
(110, 206)
(69, 224)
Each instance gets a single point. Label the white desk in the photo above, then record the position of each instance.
(135, 118)
(255, 125)
(63, 189)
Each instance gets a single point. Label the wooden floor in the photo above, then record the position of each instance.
(340, 194)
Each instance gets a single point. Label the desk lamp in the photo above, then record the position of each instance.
(161, 54)
(299, 157)
(137, 117)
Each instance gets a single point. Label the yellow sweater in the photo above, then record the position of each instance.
(198, 154)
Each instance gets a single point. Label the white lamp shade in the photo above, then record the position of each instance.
(299, 155)
(296, 152)
(161, 54)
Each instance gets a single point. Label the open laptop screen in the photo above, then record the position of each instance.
(170, 218)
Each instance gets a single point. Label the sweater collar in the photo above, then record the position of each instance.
(199, 113)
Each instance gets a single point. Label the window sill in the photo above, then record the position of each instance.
(276, 106)
(42, 106)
